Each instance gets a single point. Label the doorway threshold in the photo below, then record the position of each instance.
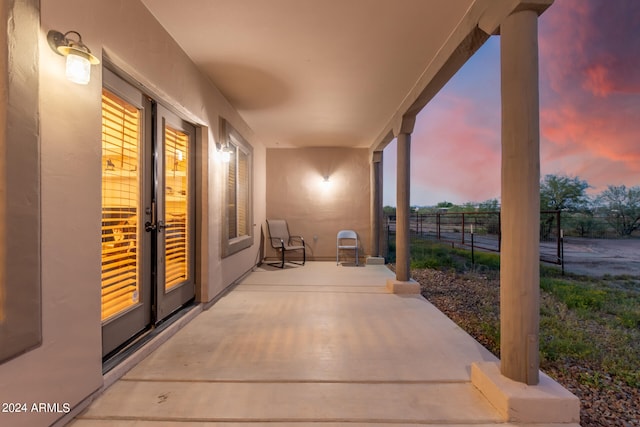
(141, 346)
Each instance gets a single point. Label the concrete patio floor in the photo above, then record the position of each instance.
(319, 345)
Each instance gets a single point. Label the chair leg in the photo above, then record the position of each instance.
(356, 256)
(282, 264)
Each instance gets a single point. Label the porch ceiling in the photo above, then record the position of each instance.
(322, 72)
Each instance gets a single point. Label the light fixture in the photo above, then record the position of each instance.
(226, 155)
(226, 152)
(79, 57)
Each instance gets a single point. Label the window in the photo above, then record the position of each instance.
(238, 216)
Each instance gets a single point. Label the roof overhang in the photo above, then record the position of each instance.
(350, 73)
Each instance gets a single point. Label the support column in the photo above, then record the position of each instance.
(376, 209)
(403, 282)
(520, 252)
(402, 207)
(539, 399)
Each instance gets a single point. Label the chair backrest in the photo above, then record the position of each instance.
(278, 229)
(347, 234)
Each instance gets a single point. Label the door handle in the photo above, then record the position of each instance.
(151, 225)
(161, 226)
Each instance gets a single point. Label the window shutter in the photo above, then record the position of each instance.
(243, 193)
(120, 196)
(232, 196)
(176, 207)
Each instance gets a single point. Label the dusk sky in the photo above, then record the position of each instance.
(589, 110)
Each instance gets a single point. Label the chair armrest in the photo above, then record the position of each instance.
(276, 242)
(300, 238)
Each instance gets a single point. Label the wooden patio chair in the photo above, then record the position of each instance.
(282, 241)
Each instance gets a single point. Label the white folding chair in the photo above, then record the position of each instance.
(347, 239)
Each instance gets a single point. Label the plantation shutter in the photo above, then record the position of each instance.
(243, 193)
(176, 207)
(232, 196)
(120, 204)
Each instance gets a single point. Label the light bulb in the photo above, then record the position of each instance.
(78, 69)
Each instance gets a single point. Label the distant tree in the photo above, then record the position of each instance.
(621, 208)
(444, 204)
(583, 224)
(389, 210)
(491, 205)
(562, 192)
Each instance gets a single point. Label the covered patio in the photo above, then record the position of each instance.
(283, 109)
(317, 344)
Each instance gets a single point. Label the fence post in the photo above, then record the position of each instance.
(463, 228)
(473, 258)
(559, 235)
(561, 241)
(500, 231)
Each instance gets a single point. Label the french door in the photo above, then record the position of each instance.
(147, 213)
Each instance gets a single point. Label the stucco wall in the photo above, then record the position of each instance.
(66, 368)
(314, 209)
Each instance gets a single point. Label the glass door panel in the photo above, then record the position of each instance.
(120, 205)
(176, 207)
(126, 290)
(176, 211)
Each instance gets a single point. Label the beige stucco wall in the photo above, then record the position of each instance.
(66, 368)
(296, 192)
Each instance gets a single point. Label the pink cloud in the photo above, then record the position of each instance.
(449, 141)
(598, 80)
(589, 104)
(590, 90)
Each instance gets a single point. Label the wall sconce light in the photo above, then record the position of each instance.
(79, 57)
(225, 152)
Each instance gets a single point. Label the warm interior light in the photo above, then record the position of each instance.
(325, 183)
(226, 155)
(78, 69)
(79, 57)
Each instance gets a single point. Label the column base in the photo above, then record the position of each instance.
(546, 402)
(375, 260)
(401, 287)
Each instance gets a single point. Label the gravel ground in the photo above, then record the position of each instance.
(472, 301)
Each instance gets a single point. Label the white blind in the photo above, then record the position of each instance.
(176, 207)
(120, 204)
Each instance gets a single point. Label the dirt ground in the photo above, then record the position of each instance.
(597, 257)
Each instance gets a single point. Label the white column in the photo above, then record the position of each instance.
(402, 207)
(520, 258)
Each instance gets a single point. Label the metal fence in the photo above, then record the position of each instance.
(479, 230)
